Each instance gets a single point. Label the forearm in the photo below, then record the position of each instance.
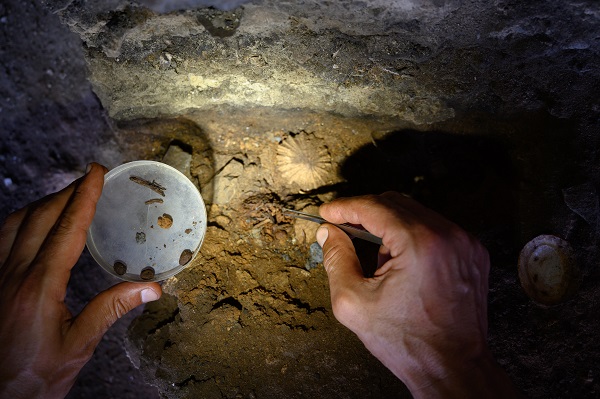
(28, 384)
(424, 313)
(430, 370)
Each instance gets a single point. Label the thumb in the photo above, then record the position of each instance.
(343, 270)
(106, 308)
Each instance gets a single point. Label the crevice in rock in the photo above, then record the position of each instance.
(229, 301)
(192, 379)
(216, 224)
(162, 323)
(302, 305)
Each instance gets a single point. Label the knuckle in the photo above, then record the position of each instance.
(80, 191)
(66, 225)
(38, 215)
(332, 256)
(11, 221)
(450, 234)
(40, 209)
(341, 304)
(431, 237)
(344, 306)
(371, 200)
(119, 308)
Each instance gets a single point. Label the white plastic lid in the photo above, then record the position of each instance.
(150, 222)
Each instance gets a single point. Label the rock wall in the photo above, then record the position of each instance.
(419, 61)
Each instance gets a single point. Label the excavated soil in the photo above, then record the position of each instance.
(250, 317)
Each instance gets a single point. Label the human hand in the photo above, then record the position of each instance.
(424, 312)
(42, 346)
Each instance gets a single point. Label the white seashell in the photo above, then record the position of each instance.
(303, 162)
(547, 270)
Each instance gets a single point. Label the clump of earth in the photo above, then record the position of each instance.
(251, 317)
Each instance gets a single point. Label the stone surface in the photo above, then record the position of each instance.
(420, 61)
(178, 158)
(144, 64)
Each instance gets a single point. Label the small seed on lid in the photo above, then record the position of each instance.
(140, 237)
(120, 268)
(165, 221)
(147, 273)
(185, 257)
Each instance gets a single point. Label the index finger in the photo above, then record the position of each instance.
(376, 213)
(26, 230)
(346, 280)
(66, 241)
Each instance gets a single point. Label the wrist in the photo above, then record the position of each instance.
(460, 376)
(29, 385)
(465, 371)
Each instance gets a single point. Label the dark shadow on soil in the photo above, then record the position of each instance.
(184, 133)
(468, 179)
(504, 189)
(507, 191)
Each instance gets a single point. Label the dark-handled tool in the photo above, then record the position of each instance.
(350, 230)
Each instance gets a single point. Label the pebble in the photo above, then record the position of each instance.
(316, 256)
(147, 273)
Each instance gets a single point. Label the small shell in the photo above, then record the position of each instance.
(140, 237)
(302, 161)
(147, 273)
(120, 268)
(185, 257)
(547, 270)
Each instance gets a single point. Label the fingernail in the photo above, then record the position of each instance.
(322, 235)
(149, 295)
(88, 168)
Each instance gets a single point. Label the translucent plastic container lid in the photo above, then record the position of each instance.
(150, 222)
